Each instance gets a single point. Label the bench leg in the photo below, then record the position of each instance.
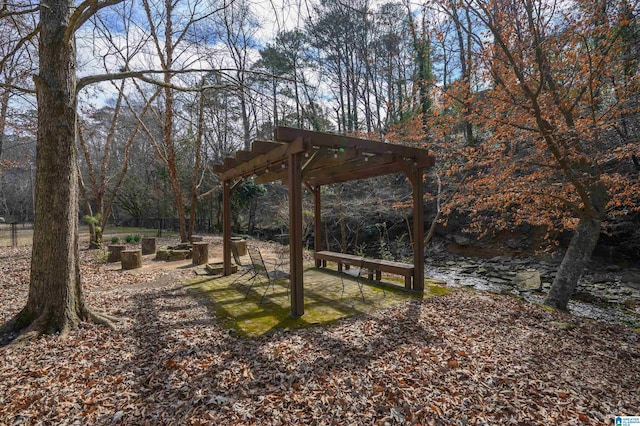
(347, 266)
(378, 275)
(370, 275)
(407, 282)
(318, 263)
(339, 267)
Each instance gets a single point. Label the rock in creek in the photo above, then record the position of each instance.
(528, 280)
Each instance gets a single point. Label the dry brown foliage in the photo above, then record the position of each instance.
(465, 358)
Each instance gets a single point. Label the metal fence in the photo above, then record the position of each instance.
(166, 224)
(15, 234)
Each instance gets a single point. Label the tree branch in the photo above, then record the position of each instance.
(140, 74)
(84, 11)
(17, 88)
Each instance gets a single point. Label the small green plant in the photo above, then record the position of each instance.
(361, 250)
(101, 256)
(385, 252)
(128, 238)
(114, 240)
(94, 229)
(136, 238)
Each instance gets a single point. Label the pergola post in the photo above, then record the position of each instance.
(295, 235)
(317, 221)
(418, 229)
(226, 227)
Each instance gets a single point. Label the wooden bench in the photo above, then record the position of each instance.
(377, 265)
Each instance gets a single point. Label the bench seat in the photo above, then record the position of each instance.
(377, 265)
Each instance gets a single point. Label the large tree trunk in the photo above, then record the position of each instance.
(55, 302)
(574, 262)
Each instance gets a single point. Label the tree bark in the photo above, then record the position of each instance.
(574, 262)
(55, 302)
(55, 293)
(4, 107)
(131, 259)
(200, 253)
(55, 297)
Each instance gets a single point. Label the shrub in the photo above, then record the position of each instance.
(114, 240)
(128, 238)
(136, 238)
(101, 256)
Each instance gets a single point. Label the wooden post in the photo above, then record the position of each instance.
(295, 236)
(418, 229)
(317, 221)
(131, 259)
(200, 253)
(148, 245)
(226, 227)
(14, 234)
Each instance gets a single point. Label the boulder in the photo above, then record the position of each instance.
(528, 280)
(179, 255)
(163, 254)
(461, 240)
(218, 268)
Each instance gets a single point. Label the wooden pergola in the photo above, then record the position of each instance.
(301, 157)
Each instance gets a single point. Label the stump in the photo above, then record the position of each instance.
(196, 238)
(148, 245)
(131, 259)
(240, 245)
(200, 253)
(114, 252)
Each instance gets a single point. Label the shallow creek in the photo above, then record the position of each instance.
(606, 293)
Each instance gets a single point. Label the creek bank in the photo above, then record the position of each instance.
(605, 292)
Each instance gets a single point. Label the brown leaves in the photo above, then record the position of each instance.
(467, 358)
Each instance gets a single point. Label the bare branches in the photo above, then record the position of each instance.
(18, 46)
(83, 13)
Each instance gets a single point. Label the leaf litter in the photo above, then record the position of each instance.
(467, 358)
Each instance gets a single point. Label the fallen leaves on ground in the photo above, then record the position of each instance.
(465, 358)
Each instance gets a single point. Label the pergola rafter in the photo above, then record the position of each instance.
(302, 157)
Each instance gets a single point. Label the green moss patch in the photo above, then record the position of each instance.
(252, 309)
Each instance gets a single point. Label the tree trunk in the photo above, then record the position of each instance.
(55, 302)
(574, 262)
(4, 107)
(55, 294)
